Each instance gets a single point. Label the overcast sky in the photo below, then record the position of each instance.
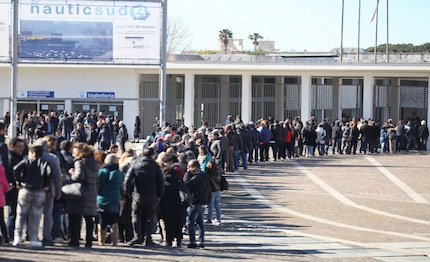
(312, 25)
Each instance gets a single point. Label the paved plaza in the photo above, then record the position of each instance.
(330, 208)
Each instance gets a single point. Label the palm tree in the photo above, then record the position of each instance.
(255, 37)
(224, 35)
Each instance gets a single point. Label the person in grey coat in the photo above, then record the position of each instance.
(54, 191)
(85, 170)
(122, 136)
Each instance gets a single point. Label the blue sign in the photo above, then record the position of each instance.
(101, 95)
(40, 94)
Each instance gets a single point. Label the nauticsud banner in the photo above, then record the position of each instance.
(118, 32)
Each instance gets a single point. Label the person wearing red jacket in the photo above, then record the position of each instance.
(4, 187)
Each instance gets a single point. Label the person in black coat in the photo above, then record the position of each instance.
(310, 137)
(198, 184)
(423, 134)
(144, 182)
(171, 211)
(17, 147)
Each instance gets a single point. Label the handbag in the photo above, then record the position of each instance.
(223, 184)
(73, 190)
(184, 195)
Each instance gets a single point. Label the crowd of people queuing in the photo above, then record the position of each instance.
(128, 197)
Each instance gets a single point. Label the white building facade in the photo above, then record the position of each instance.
(209, 89)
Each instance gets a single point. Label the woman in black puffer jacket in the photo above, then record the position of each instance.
(85, 170)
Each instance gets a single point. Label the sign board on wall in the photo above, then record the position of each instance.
(5, 8)
(119, 32)
(97, 95)
(36, 94)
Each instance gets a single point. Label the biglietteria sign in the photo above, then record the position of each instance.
(91, 31)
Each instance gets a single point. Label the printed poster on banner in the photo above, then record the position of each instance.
(4, 30)
(118, 32)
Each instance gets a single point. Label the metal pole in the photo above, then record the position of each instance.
(376, 32)
(14, 69)
(358, 38)
(163, 85)
(341, 32)
(388, 42)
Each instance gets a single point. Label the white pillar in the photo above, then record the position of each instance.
(368, 87)
(68, 106)
(128, 119)
(247, 98)
(428, 112)
(189, 99)
(6, 107)
(306, 99)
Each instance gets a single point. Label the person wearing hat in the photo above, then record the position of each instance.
(229, 120)
(108, 199)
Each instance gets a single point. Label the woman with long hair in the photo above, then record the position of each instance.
(204, 157)
(85, 171)
(171, 211)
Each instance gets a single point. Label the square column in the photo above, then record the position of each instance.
(130, 106)
(368, 87)
(428, 112)
(306, 99)
(68, 106)
(247, 98)
(189, 99)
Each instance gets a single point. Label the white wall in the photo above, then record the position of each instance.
(67, 82)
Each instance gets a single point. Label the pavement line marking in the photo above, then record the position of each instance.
(259, 197)
(408, 190)
(336, 194)
(325, 239)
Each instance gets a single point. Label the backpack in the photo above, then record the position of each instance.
(184, 195)
(392, 134)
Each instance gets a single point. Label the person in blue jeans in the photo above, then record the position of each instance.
(215, 175)
(383, 138)
(198, 184)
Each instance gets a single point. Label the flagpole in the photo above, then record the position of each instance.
(388, 42)
(376, 33)
(358, 38)
(341, 33)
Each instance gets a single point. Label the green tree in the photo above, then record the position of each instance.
(254, 38)
(225, 35)
(400, 48)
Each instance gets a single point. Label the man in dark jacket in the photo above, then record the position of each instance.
(336, 137)
(122, 136)
(423, 134)
(366, 135)
(198, 184)
(328, 130)
(145, 183)
(16, 150)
